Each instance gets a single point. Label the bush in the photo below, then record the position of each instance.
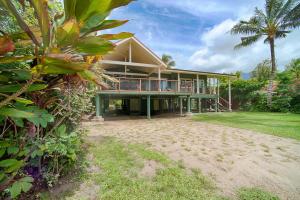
(281, 104)
(295, 104)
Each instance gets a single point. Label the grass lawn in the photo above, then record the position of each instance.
(114, 172)
(279, 124)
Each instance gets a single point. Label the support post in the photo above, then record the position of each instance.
(159, 77)
(199, 105)
(198, 90)
(149, 84)
(180, 99)
(178, 83)
(216, 105)
(97, 99)
(218, 90)
(189, 105)
(148, 107)
(229, 95)
(99, 113)
(130, 52)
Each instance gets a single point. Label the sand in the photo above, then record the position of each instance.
(232, 157)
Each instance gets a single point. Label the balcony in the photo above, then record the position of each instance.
(155, 85)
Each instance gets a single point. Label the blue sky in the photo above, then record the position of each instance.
(195, 33)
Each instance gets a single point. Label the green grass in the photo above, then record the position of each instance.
(255, 194)
(279, 124)
(119, 177)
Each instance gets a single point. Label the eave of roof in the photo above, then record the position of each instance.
(198, 72)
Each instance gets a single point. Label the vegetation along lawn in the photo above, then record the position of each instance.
(117, 171)
(279, 124)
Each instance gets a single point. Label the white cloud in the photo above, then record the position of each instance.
(217, 52)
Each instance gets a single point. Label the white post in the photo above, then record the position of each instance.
(181, 113)
(178, 83)
(159, 77)
(229, 95)
(198, 91)
(130, 52)
(149, 85)
(218, 90)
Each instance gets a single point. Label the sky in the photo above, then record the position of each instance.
(196, 33)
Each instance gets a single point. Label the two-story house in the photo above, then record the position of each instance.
(146, 86)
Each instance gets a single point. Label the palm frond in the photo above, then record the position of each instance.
(273, 7)
(293, 15)
(287, 7)
(253, 26)
(246, 41)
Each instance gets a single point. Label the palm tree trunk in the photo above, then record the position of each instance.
(272, 77)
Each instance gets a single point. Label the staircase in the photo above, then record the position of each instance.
(223, 105)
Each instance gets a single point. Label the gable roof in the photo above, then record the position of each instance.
(148, 53)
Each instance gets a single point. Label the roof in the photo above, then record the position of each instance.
(198, 72)
(159, 60)
(156, 57)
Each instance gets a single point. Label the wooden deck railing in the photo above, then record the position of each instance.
(154, 85)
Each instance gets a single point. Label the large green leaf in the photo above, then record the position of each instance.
(90, 25)
(51, 69)
(69, 7)
(17, 87)
(41, 10)
(94, 45)
(75, 66)
(8, 163)
(22, 185)
(3, 78)
(67, 33)
(118, 36)
(108, 24)
(11, 59)
(12, 112)
(90, 76)
(40, 117)
(86, 9)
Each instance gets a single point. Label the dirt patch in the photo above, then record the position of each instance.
(150, 168)
(233, 157)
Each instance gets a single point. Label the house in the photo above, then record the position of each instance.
(146, 86)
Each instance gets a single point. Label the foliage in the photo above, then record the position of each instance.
(262, 72)
(168, 60)
(243, 91)
(60, 150)
(294, 68)
(44, 53)
(278, 19)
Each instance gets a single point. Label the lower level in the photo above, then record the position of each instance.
(149, 104)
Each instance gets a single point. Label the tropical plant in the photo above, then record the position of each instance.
(262, 71)
(39, 57)
(168, 60)
(294, 68)
(278, 19)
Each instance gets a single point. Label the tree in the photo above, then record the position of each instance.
(168, 60)
(278, 19)
(62, 50)
(294, 68)
(238, 74)
(262, 71)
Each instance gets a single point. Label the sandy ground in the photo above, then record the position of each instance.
(232, 157)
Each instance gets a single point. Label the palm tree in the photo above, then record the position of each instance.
(262, 71)
(294, 68)
(168, 60)
(278, 19)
